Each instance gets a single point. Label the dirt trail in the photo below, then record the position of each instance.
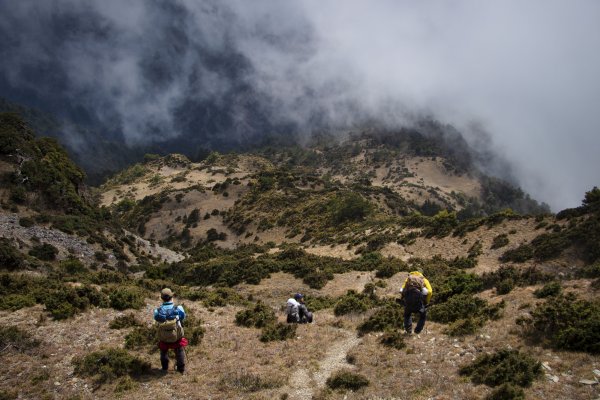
(302, 385)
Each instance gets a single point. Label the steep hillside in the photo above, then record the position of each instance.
(515, 310)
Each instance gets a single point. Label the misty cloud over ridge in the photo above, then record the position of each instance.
(525, 73)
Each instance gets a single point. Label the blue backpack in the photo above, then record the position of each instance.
(165, 314)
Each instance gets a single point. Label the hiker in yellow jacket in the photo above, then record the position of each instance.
(416, 292)
(426, 283)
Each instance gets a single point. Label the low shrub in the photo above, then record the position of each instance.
(13, 302)
(26, 222)
(72, 266)
(64, 301)
(248, 382)
(278, 331)
(505, 286)
(347, 380)
(141, 336)
(258, 316)
(124, 297)
(389, 268)
(519, 277)
(499, 241)
(124, 321)
(193, 329)
(590, 271)
(464, 326)
(219, 297)
(463, 262)
(504, 366)
(352, 302)
(464, 306)
(10, 258)
(393, 339)
(316, 303)
(106, 365)
(44, 252)
(388, 318)
(506, 391)
(549, 289)
(13, 337)
(565, 322)
(518, 255)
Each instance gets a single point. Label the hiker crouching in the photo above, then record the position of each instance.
(296, 310)
(170, 331)
(416, 292)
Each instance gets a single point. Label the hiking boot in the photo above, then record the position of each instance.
(180, 369)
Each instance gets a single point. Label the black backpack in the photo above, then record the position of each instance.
(413, 299)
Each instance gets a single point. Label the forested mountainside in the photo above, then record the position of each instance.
(515, 309)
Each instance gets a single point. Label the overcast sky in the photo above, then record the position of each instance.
(525, 72)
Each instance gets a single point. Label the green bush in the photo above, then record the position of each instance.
(72, 266)
(499, 241)
(15, 302)
(463, 262)
(258, 316)
(316, 303)
(16, 338)
(549, 289)
(352, 302)
(565, 322)
(10, 258)
(504, 366)
(346, 380)
(124, 321)
(518, 255)
(219, 297)
(278, 331)
(26, 222)
(124, 297)
(464, 326)
(506, 391)
(141, 336)
(389, 268)
(393, 339)
(520, 277)
(64, 301)
(44, 252)
(505, 286)
(464, 306)
(106, 365)
(387, 318)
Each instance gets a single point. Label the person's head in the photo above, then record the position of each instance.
(166, 294)
(299, 297)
